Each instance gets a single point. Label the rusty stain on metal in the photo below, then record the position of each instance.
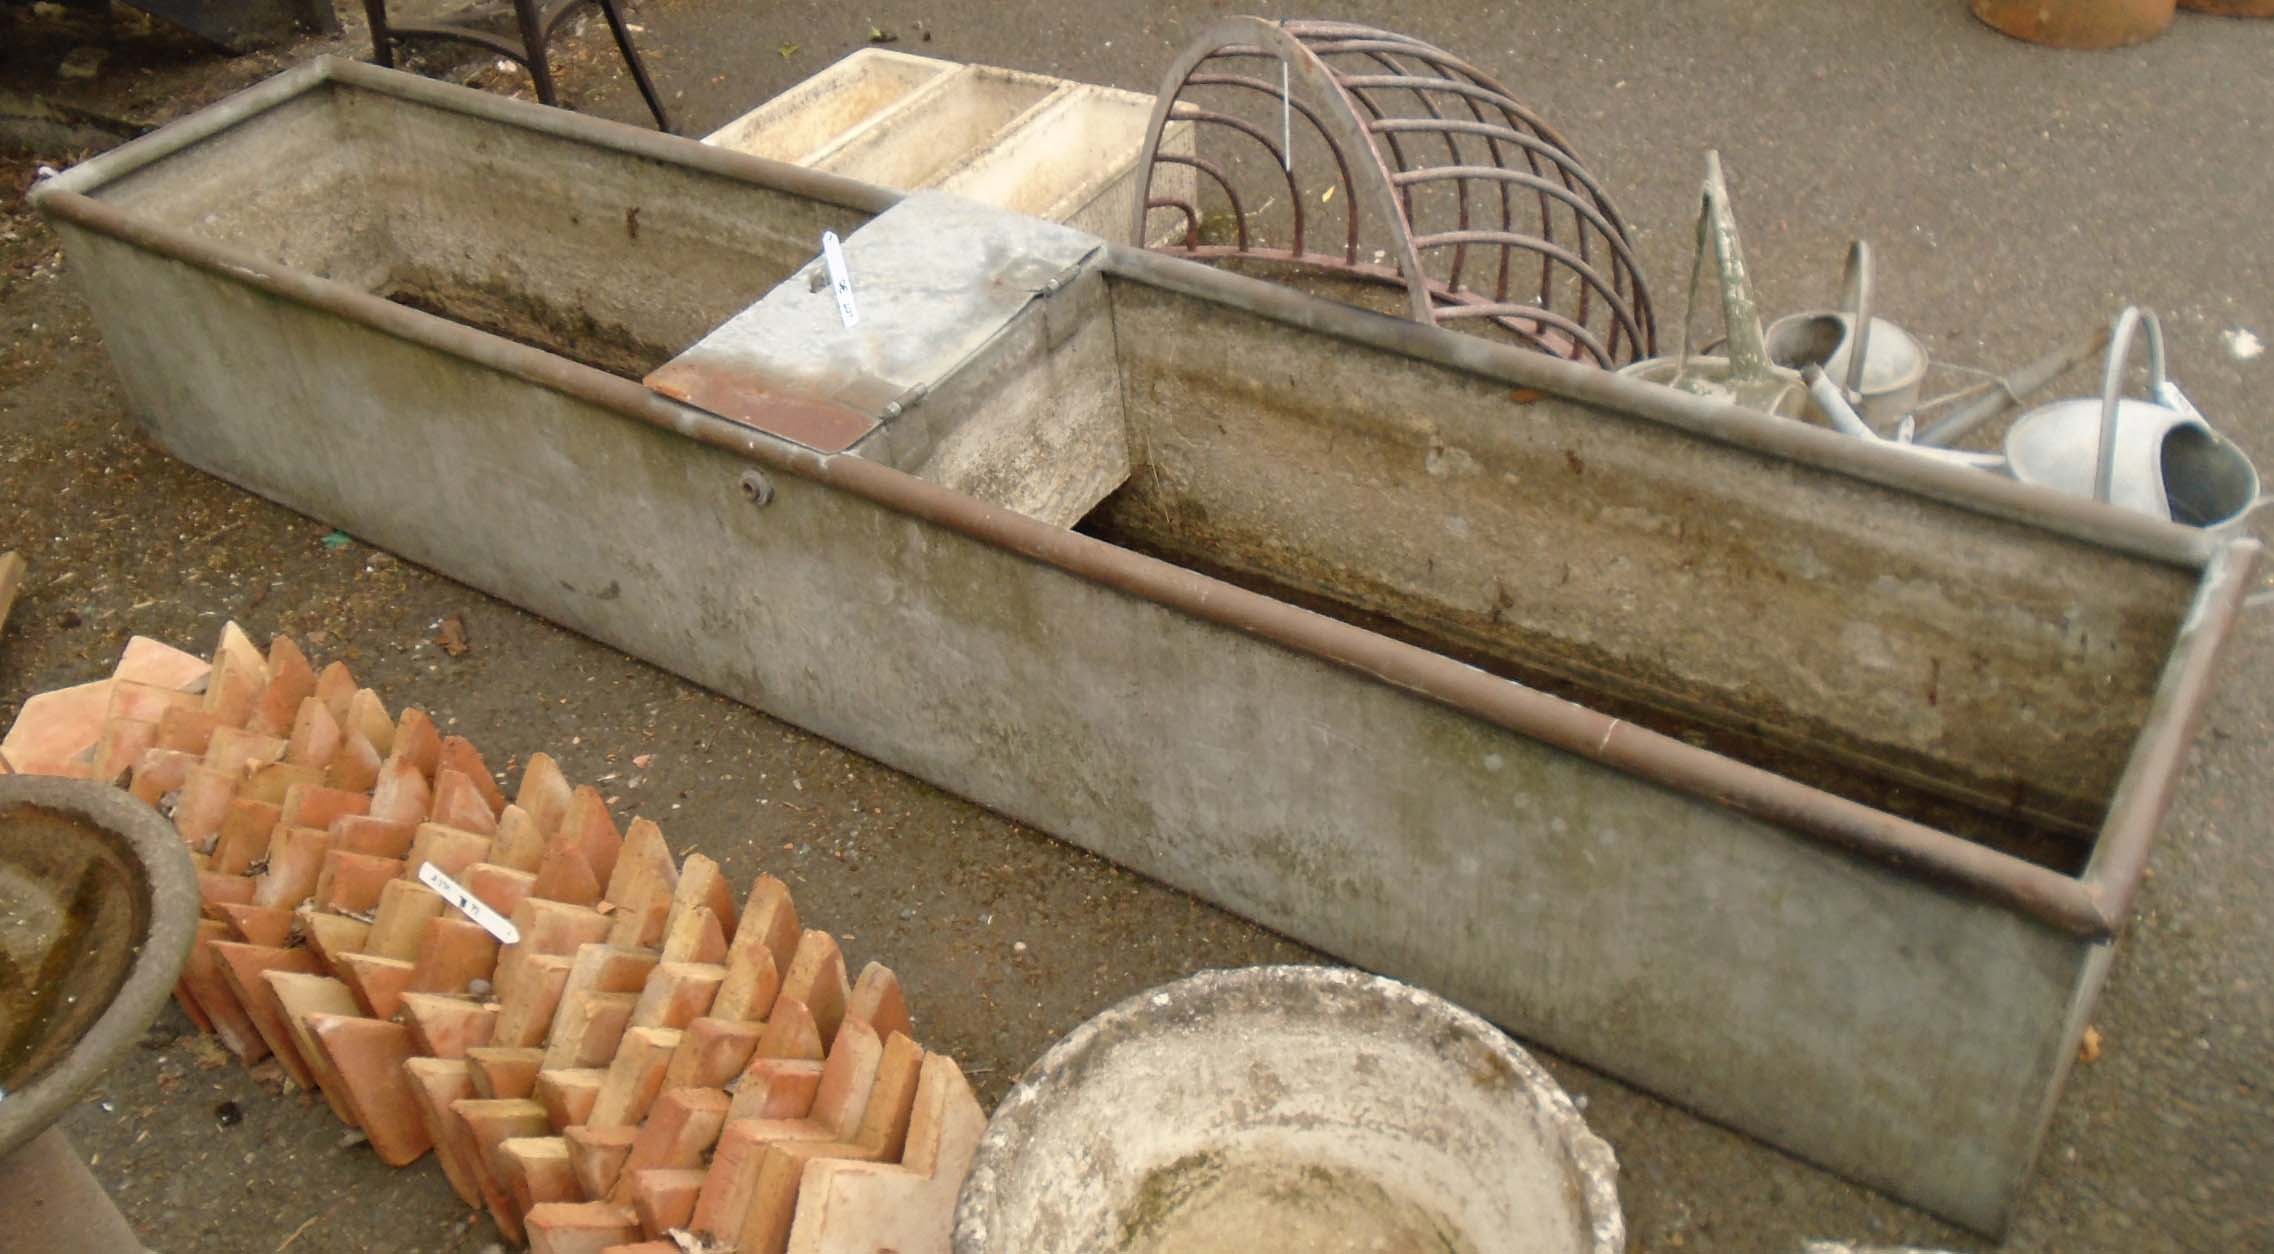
(1445, 185)
(736, 394)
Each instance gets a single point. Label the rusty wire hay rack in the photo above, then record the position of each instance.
(1450, 188)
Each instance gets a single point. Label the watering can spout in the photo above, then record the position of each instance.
(1878, 366)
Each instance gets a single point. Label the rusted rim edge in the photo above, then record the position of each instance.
(2049, 896)
(2144, 792)
(192, 128)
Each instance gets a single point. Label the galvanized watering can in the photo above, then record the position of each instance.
(1878, 364)
(1832, 402)
(2156, 456)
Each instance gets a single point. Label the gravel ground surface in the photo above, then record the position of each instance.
(2013, 195)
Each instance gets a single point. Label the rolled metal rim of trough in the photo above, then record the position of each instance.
(2090, 906)
(1592, 1163)
(154, 848)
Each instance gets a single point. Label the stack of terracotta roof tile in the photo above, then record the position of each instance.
(650, 1055)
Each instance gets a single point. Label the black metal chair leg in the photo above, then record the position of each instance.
(382, 43)
(540, 55)
(632, 61)
(536, 28)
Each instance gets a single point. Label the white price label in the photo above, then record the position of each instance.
(479, 911)
(840, 278)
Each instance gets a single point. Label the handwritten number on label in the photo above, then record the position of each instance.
(479, 911)
(840, 278)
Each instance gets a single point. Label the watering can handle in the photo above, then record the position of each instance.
(1690, 306)
(1855, 302)
(2112, 388)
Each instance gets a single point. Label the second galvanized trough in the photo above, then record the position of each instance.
(1796, 780)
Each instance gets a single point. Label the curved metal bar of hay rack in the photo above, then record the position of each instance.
(1401, 121)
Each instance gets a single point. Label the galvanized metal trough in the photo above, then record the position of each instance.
(1799, 781)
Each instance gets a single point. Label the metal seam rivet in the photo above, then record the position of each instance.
(756, 487)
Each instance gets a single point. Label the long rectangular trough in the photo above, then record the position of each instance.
(1794, 779)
